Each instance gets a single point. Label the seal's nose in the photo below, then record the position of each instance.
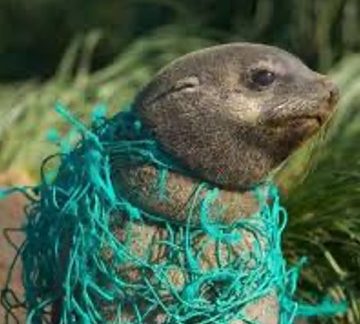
(331, 89)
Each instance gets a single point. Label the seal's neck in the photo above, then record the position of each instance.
(152, 180)
(180, 198)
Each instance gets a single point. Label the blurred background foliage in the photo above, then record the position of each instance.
(88, 52)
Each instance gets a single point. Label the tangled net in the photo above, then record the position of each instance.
(84, 254)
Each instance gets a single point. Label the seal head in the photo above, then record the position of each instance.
(234, 112)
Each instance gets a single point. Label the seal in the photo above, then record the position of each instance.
(230, 115)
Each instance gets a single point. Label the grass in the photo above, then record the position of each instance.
(26, 109)
(324, 209)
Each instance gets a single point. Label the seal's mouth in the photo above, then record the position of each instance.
(315, 120)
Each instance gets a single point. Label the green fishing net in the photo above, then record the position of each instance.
(90, 255)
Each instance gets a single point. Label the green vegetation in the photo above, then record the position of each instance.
(119, 45)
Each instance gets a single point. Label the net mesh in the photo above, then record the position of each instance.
(92, 256)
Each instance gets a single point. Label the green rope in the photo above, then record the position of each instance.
(71, 226)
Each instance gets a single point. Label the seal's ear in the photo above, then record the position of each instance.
(188, 84)
(160, 89)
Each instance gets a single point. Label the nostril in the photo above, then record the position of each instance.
(334, 92)
(331, 88)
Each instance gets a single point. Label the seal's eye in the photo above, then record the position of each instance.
(262, 78)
